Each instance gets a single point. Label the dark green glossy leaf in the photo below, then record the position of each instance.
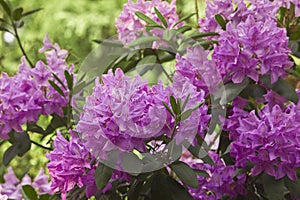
(161, 17)
(143, 40)
(17, 14)
(69, 79)
(274, 189)
(57, 88)
(29, 193)
(293, 186)
(31, 12)
(220, 21)
(145, 18)
(183, 19)
(35, 128)
(201, 173)
(9, 154)
(185, 173)
(166, 188)
(102, 175)
(282, 88)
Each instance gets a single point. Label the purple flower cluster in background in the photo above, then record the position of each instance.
(130, 27)
(68, 162)
(252, 48)
(221, 180)
(12, 186)
(28, 94)
(269, 140)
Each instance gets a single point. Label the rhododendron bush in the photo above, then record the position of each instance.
(166, 110)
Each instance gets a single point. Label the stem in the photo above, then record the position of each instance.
(197, 10)
(39, 145)
(19, 42)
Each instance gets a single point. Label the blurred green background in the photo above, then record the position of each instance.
(73, 24)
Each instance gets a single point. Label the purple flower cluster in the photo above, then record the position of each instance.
(68, 163)
(130, 27)
(269, 140)
(252, 48)
(12, 187)
(121, 114)
(221, 180)
(201, 72)
(28, 94)
(259, 9)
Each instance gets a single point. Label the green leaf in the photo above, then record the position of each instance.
(201, 35)
(78, 88)
(220, 21)
(274, 189)
(185, 102)
(17, 14)
(230, 91)
(145, 64)
(5, 29)
(69, 79)
(174, 105)
(201, 173)
(169, 35)
(59, 80)
(145, 18)
(161, 17)
(29, 193)
(57, 88)
(131, 163)
(183, 29)
(103, 174)
(143, 40)
(168, 108)
(186, 114)
(44, 197)
(281, 87)
(293, 186)
(35, 128)
(9, 154)
(183, 19)
(20, 145)
(185, 173)
(31, 12)
(5, 7)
